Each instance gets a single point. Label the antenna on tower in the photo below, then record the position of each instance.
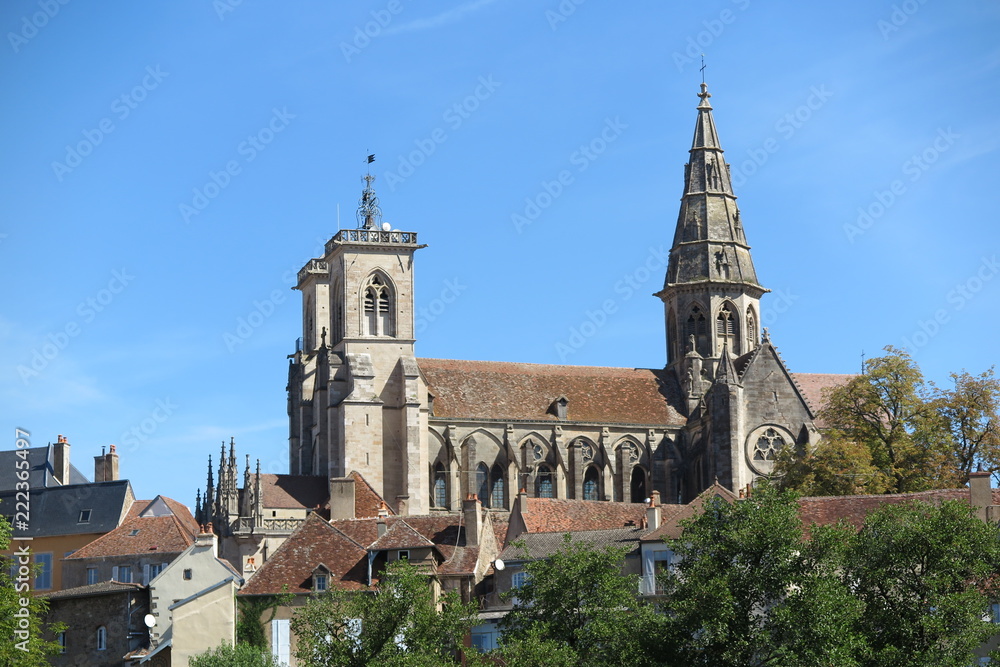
(862, 362)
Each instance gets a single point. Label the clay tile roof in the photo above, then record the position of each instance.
(366, 500)
(293, 491)
(314, 543)
(525, 392)
(400, 536)
(102, 588)
(671, 516)
(171, 529)
(550, 515)
(544, 545)
(822, 510)
(816, 386)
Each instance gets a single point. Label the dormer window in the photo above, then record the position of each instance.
(84, 516)
(319, 583)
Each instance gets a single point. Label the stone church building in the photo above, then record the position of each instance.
(426, 433)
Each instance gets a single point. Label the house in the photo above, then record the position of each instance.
(193, 603)
(67, 511)
(456, 550)
(104, 623)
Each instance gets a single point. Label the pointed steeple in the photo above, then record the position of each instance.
(711, 290)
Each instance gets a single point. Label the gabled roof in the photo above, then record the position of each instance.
(293, 491)
(61, 507)
(40, 469)
(671, 516)
(824, 510)
(315, 542)
(494, 390)
(816, 387)
(551, 515)
(367, 501)
(400, 536)
(543, 545)
(146, 530)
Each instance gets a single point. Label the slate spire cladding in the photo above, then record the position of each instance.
(711, 293)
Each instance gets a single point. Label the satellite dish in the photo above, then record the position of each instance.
(386, 227)
(149, 620)
(498, 565)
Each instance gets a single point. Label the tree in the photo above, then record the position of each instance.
(838, 466)
(971, 414)
(397, 623)
(21, 614)
(576, 604)
(925, 576)
(240, 655)
(746, 589)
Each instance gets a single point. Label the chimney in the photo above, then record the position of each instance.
(380, 526)
(60, 460)
(106, 466)
(207, 538)
(472, 515)
(653, 511)
(342, 498)
(980, 493)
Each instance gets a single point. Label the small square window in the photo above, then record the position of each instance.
(135, 531)
(125, 574)
(84, 516)
(187, 574)
(404, 554)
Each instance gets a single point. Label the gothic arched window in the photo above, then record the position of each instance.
(727, 329)
(543, 483)
(337, 307)
(697, 326)
(440, 486)
(590, 484)
(378, 308)
(483, 484)
(497, 488)
(751, 330)
(638, 485)
(672, 335)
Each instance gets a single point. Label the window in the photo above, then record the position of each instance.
(102, 639)
(134, 532)
(727, 329)
(497, 488)
(404, 554)
(591, 484)
(518, 579)
(440, 487)
(154, 570)
(378, 308)
(483, 483)
(696, 326)
(638, 486)
(484, 637)
(92, 577)
(187, 574)
(768, 445)
(337, 306)
(319, 583)
(752, 332)
(280, 640)
(43, 581)
(125, 574)
(543, 483)
(84, 516)
(61, 640)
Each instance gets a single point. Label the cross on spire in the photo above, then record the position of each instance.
(703, 66)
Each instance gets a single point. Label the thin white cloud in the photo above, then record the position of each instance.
(444, 18)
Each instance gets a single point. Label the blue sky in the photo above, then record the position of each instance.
(168, 167)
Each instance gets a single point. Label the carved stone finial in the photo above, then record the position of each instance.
(767, 335)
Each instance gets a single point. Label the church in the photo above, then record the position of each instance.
(425, 434)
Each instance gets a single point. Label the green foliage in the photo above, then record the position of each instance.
(925, 576)
(577, 602)
(970, 413)
(396, 624)
(15, 649)
(532, 649)
(241, 655)
(747, 590)
(251, 621)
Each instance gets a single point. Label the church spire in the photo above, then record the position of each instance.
(711, 290)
